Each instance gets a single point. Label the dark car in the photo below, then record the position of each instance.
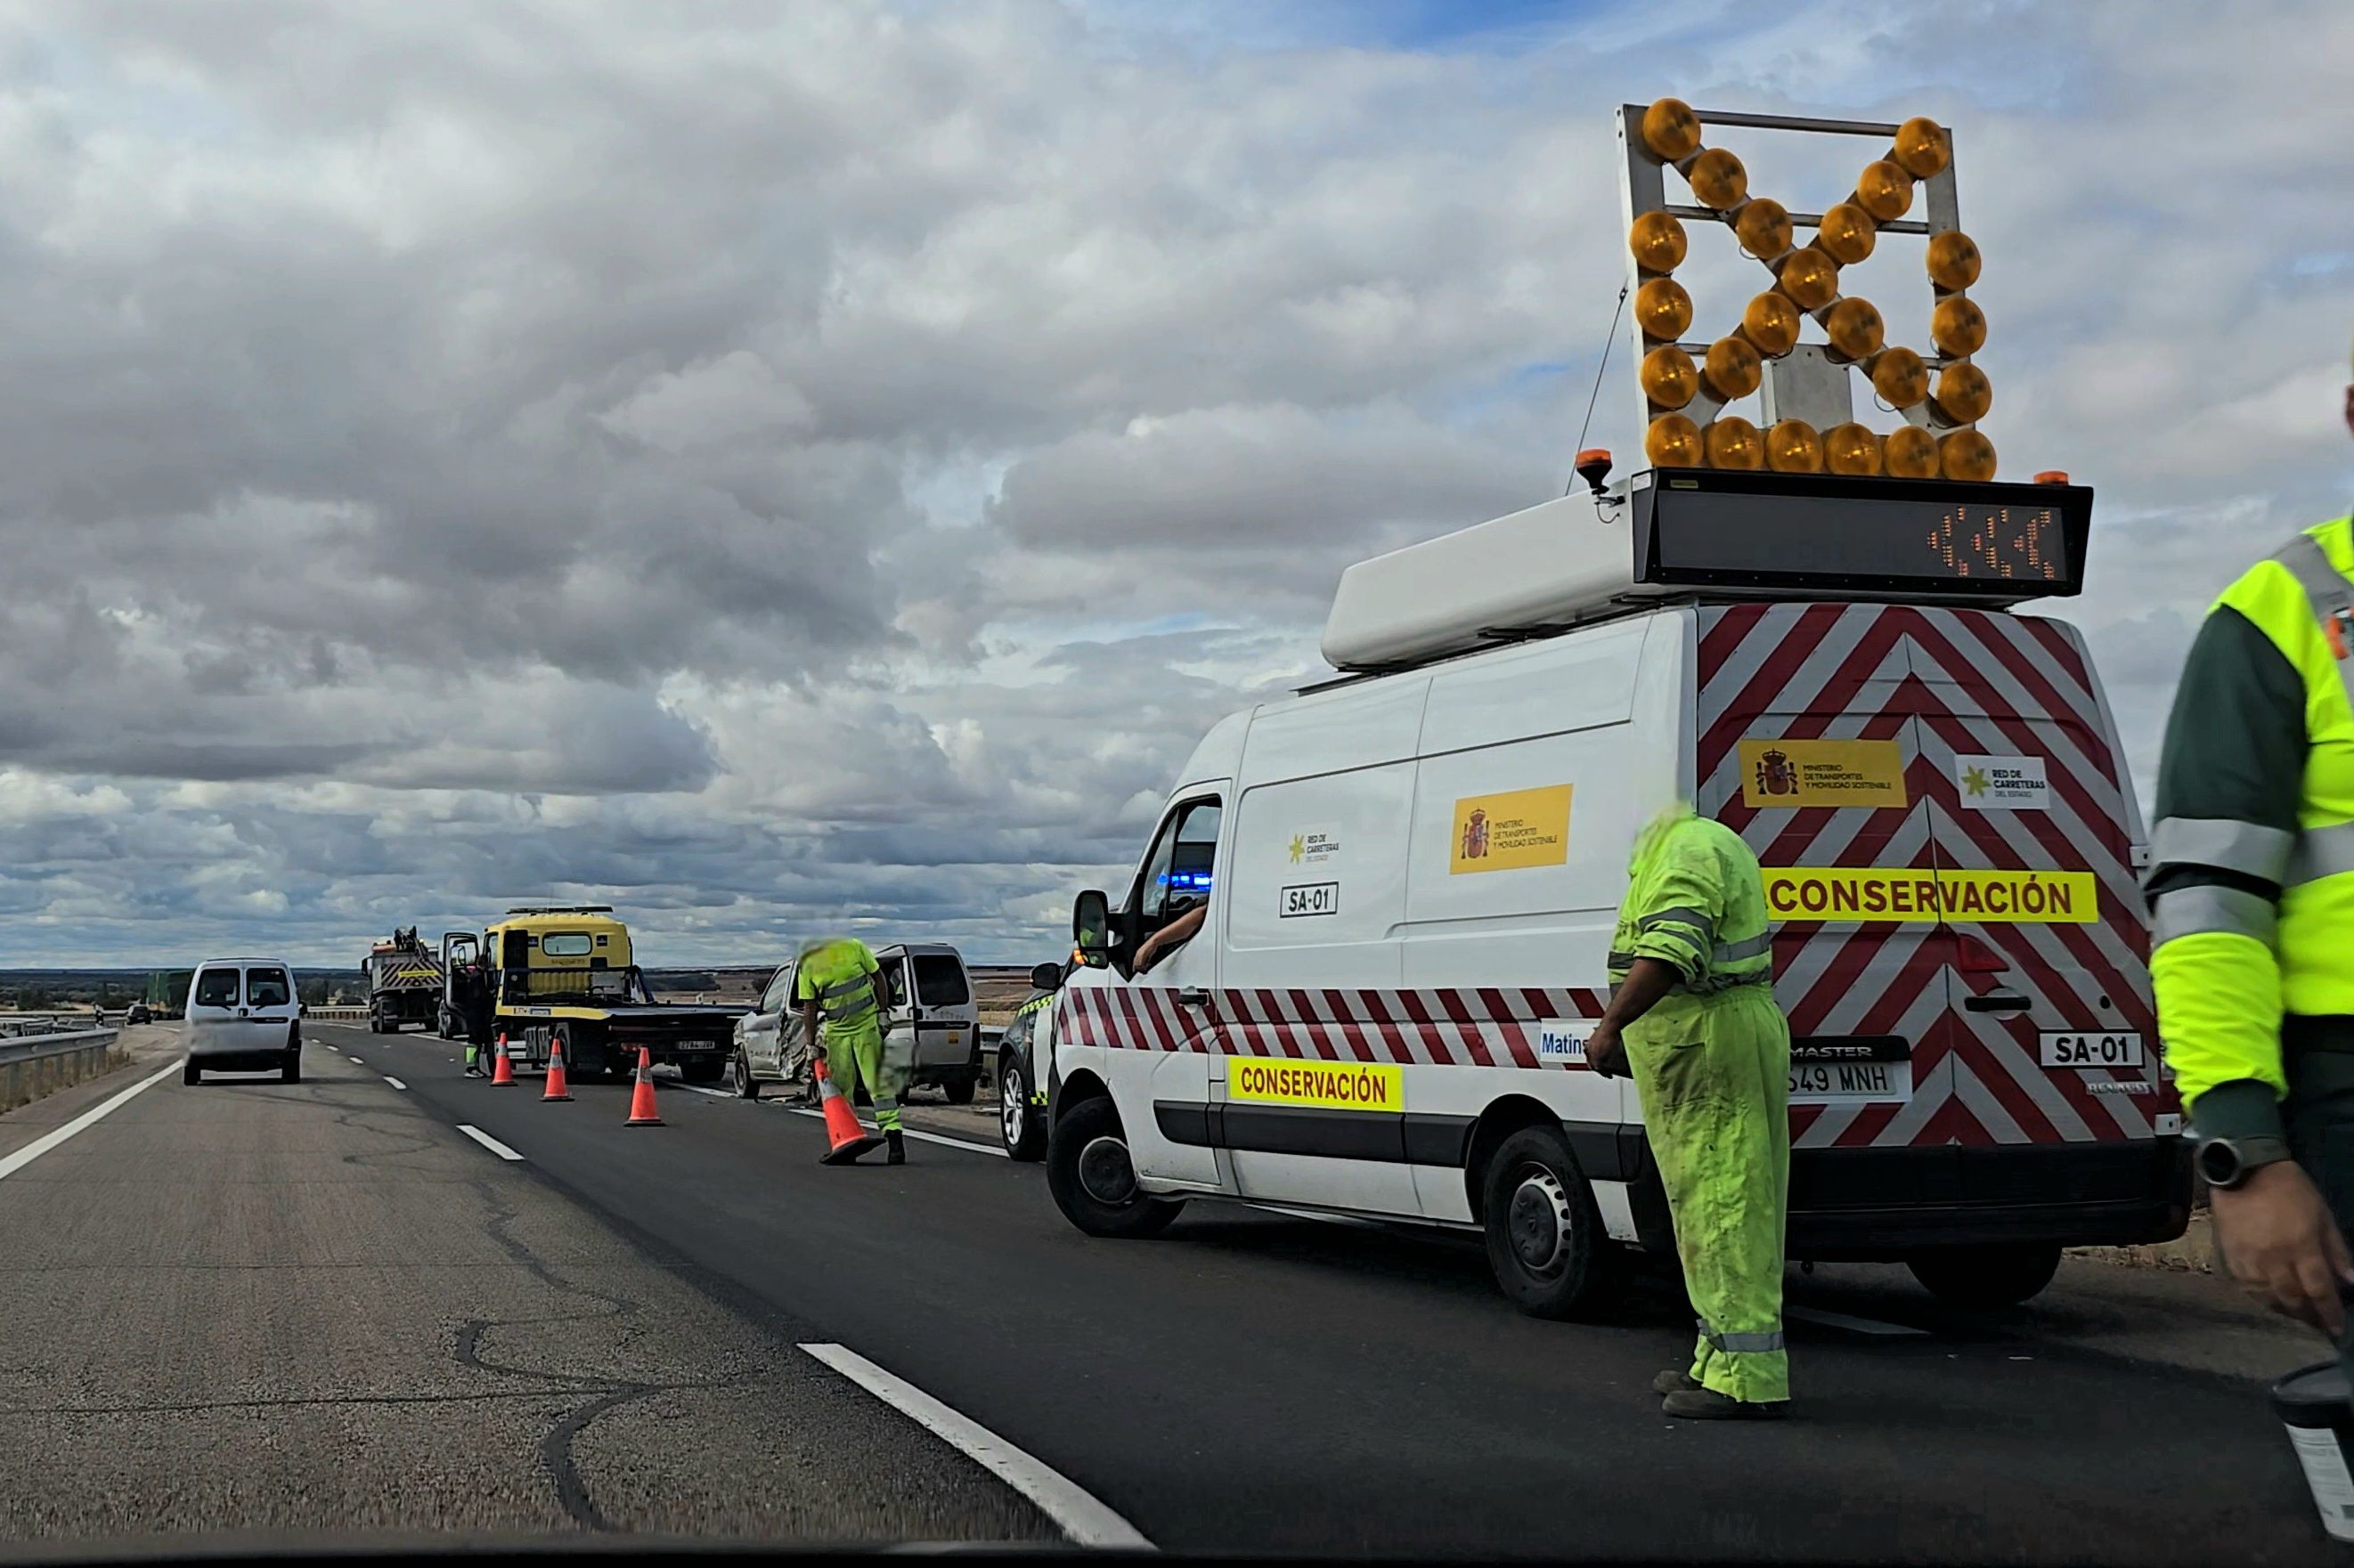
(1025, 1065)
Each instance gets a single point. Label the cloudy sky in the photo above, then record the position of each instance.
(766, 464)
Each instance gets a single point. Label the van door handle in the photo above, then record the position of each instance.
(1996, 1003)
(1193, 996)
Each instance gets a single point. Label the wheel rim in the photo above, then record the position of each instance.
(1105, 1173)
(743, 1074)
(1537, 1220)
(1011, 1105)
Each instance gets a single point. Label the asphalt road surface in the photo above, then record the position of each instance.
(322, 1306)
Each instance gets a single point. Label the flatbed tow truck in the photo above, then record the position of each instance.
(568, 973)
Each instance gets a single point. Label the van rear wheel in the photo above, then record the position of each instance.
(1985, 1275)
(1545, 1241)
(1093, 1179)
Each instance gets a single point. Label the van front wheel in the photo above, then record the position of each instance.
(1985, 1275)
(1546, 1242)
(1093, 1179)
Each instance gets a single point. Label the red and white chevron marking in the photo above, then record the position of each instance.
(1939, 682)
(1470, 1027)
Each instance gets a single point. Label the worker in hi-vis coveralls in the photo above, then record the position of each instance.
(841, 980)
(1692, 1013)
(2252, 893)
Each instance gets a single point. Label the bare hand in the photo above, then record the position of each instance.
(1605, 1053)
(2278, 1240)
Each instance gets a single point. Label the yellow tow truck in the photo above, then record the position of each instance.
(568, 973)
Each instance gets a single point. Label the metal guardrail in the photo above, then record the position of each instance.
(59, 1043)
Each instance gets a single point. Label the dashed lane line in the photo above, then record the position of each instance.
(97, 1113)
(359, 1062)
(396, 1083)
(487, 1141)
(1079, 1512)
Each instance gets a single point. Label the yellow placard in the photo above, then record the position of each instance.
(1513, 831)
(1920, 897)
(1330, 1086)
(1822, 773)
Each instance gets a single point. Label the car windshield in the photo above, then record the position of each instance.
(1662, 685)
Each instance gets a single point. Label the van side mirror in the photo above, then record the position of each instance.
(1091, 926)
(1045, 977)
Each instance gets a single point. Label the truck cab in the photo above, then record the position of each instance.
(569, 974)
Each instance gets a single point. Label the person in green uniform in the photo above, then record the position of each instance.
(840, 982)
(1692, 1011)
(2251, 893)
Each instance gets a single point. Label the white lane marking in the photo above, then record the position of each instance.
(1855, 1325)
(357, 1063)
(487, 1141)
(705, 1089)
(99, 1112)
(920, 1137)
(1081, 1516)
(396, 1083)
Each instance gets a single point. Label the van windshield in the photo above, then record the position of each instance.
(939, 981)
(266, 987)
(216, 988)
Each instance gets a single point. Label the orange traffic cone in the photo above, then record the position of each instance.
(557, 1088)
(849, 1140)
(641, 1102)
(502, 1070)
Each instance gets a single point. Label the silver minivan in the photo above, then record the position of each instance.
(931, 1024)
(243, 1016)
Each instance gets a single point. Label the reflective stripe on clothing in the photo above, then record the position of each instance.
(2247, 848)
(2189, 910)
(1700, 920)
(2325, 587)
(2320, 851)
(1740, 1344)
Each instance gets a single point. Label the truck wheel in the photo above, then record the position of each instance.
(190, 1072)
(291, 1070)
(1985, 1275)
(747, 1085)
(960, 1089)
(1018, 1125)
(1093, 1179)
(1545, 1241)
(702, 1069)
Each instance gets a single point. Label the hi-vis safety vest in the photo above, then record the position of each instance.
(839, 977)
(2251, 862)
(1695, 899)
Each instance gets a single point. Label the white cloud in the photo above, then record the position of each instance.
(771, 467)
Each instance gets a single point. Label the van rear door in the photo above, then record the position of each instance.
(1807, 745)
(215, 995)
(2053, 1029)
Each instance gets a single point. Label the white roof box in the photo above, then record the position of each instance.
(1535, 569)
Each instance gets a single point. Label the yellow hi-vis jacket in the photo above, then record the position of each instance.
(2251, 862)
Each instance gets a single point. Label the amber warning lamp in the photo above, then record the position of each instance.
(1809, 365)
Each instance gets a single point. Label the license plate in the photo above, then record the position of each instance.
(1851, 1082)
(2092, 1050)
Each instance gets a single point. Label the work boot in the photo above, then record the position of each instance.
(898, 1155)
(1707, 1404)
(1674, 1382)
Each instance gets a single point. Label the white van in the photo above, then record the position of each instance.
(242, 1015)
(1412, 873)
